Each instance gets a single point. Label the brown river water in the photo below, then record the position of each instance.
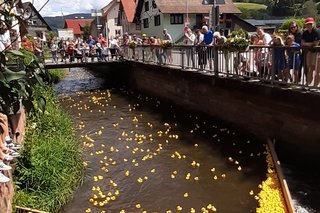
(142, 154)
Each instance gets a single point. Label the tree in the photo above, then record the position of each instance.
(86, 31)
(310, 8)
(282, 7)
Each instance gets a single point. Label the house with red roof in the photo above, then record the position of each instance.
(76, 25)
(127, 19)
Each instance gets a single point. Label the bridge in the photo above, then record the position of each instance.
(209, 61)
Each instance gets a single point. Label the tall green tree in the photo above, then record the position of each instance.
(310, 8)
(282, 7)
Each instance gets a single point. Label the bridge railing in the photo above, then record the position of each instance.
(273, 64)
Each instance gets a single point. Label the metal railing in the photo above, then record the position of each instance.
(270, 64)
(273, 64)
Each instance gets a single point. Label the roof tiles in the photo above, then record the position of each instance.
(76, 23)
(129, 7)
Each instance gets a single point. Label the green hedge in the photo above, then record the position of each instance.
(50, 167)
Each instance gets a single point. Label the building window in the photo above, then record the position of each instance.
(157, 20)
(118, 32)
(115, 21)
(138, 25)
(32, 22)
(176, 18)
(154, 5)
(146, 6)
(146, 23)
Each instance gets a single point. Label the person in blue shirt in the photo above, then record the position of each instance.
(294, 59)
(91, 42)
(208, 40)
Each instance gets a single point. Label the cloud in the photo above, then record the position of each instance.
(57, 7)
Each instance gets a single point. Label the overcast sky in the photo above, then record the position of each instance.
(54, 7)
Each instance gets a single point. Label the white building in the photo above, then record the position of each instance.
(156, 15)
(110, 19)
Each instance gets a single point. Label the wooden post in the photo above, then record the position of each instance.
(282, 180)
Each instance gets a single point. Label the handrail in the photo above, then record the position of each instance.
(256, 63)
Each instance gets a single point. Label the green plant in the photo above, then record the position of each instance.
(236, 44)
(286, 23)
(20, 70)
(240, 33)
(50, 167)
(20, 73)
(132, 44)
(166, 44)
(57, 74)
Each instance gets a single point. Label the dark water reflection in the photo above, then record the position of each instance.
(149, 148)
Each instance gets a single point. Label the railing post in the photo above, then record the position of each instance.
(273, 68)
(143, 54)
(215, 61)
(182, 51)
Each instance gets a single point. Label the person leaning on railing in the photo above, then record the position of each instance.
(189, 38)
(310, 38)
(53, 49)
(279, 59)
(297, 33)
(265, 60)
(114, 47)
(257, 55)
(167, 52)
(62, 49)
(208, 40)
(294, 59)
(200, 50)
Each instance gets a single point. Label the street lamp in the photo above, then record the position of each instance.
(214, 22)
(215, 13)
(97, 13)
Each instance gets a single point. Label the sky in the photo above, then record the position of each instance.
(54, 7)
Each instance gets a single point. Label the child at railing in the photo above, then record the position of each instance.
(293, 58)
(279, 59)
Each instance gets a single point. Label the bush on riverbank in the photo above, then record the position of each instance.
(57, 74)
(50, 167)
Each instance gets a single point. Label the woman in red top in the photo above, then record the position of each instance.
(102, 40)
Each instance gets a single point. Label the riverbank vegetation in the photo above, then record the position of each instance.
(57, 74)
(50, 167)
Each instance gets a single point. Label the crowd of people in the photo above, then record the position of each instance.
(291, 56)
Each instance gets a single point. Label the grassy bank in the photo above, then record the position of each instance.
(250, 6)
(57, 74)
(50, 167)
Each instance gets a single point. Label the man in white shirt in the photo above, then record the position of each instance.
(189, 40)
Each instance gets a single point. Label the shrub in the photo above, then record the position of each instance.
(286, 23)
(57, 74)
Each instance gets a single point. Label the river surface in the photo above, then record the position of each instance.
(144, 155)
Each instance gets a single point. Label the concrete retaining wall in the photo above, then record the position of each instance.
(291, 117)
